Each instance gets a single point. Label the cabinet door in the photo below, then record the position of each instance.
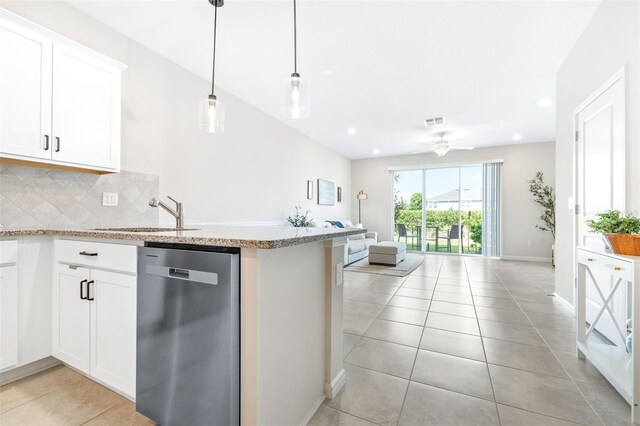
(25, 92)
(86, 109)
(8, 316)
(113, 334)
(71, 317)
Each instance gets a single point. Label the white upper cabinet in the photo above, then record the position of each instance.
(60, 101)
(86, 109)
(25, 91)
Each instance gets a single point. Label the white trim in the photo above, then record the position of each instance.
(442, 165)
(332, 389)
(57, 38)
(560, 298)
(23, 371)
(527, 258)
(313, 412)
(618, 75)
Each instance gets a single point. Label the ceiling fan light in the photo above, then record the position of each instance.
(441, 149)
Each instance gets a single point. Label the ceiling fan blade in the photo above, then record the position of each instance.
(463, 147)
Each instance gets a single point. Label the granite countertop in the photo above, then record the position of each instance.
(260, 237)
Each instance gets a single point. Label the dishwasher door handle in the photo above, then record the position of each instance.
(179, 273)
(182, 274)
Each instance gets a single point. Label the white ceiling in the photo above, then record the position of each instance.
(481, 64)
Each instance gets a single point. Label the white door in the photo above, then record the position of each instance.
(25, 92)
(113, 329)
(8, 316)
(600, 157)
(86, 109)
(71, 317)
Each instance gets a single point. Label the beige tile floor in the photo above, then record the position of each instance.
(60, 396)
(461, 341)
(465, 341)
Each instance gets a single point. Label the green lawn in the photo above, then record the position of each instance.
(414, 245)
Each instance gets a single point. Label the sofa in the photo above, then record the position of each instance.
(357, 246)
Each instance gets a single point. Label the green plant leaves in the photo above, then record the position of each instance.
(614, 222)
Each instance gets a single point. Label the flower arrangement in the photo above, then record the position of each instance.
(299, 220)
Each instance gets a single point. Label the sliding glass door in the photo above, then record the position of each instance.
(439, 210)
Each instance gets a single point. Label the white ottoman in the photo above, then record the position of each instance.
(387, 253)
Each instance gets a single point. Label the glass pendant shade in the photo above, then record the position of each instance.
(296, 103)
(441, 149)
(212, 115)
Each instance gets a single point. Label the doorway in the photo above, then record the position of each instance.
(439, 210)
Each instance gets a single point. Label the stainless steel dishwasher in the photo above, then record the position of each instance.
(188, 341)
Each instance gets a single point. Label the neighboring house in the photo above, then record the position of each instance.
(470, 200)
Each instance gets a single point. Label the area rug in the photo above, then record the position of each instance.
(404, 268)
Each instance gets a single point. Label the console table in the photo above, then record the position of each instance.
(607, 305)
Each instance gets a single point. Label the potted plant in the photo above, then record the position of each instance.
(619, 231)
(543, 196)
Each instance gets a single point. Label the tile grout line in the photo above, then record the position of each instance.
(551, 350)
(415, 358)
(484, 351)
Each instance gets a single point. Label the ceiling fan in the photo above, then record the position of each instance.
(443, 146)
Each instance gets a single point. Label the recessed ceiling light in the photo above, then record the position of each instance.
(327, 72)
(517, 137)
(352, 131)
(376, 151)
(545, 103)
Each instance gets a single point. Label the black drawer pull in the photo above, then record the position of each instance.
(81, 290)
(57, 144)
(87, 253)
(89, 297)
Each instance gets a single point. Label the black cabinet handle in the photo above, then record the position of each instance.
(57, 144)
(81, 290)
(87, 253)
(89, 290)
(46, 142)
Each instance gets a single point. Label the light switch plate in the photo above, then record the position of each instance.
(339, 274)
(110, 199)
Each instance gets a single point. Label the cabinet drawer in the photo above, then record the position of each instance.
(589, 258)
(8, 251)
(618, 269)
(116, 257)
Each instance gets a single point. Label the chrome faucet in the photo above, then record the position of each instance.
(178, 213)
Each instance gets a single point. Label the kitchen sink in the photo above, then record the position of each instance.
(147, 229)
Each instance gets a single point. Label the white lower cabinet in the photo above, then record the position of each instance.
(8, 316)
(71, 317)
(94, 316)
(113, 329)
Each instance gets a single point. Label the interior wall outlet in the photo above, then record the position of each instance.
(530, 243)
(110, 199)
(339, 274)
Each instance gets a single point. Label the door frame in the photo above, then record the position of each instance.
(619, 75)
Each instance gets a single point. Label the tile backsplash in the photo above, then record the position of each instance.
(41, 197)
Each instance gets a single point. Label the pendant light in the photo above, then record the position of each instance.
(295, 97)
(211, 109)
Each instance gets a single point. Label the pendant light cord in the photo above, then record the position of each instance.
(295, 39)
(215, 26)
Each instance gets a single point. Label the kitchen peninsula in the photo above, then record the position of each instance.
(290, 303)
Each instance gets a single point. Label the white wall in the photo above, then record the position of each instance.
(256, 171)
(519, 213)
(610, 41)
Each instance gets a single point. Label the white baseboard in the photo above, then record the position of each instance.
(27, 370)
(312, 412)
(527, 258)
(332, 389)
(569, 305)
